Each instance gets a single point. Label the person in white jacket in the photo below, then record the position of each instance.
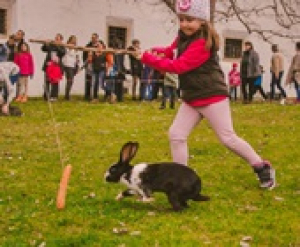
(71, 65)
(9, 72)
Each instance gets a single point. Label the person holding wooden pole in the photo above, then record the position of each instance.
(55, 51)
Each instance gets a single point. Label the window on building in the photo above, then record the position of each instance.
(3, 21)
(117, 37)
(233, 48)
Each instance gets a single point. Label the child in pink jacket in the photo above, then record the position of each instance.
(24, 60)
(234, 78)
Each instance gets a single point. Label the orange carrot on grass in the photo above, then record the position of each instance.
(62, 192)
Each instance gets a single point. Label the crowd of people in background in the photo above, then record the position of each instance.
(107, 72)
(250, 75)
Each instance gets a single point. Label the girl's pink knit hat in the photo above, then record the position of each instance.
(194, 8)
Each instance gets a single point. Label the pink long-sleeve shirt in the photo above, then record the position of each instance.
(193, 57)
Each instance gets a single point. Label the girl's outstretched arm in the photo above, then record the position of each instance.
(195, 55)
(167, 51)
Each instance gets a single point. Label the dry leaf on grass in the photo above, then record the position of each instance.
(135, 233)
(277, 198)
(120, 230)
(245, 241)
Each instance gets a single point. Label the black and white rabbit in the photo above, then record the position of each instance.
(179, 182)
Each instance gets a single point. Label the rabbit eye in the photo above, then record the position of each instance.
(113, 169)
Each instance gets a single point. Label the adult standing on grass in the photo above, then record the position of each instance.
(89, 80)
(293, 75)
(71, 65)
(136, 68)
(204, 91)
(258, 85)
(277, 63)
(10, 44)
(120, 68)
(99, 69)
(54, 52)
(250, 70)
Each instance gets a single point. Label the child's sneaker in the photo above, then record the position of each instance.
(266, 176)
(24, 99)
(19, 99)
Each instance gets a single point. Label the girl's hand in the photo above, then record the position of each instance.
(136, 54)
(100, 48)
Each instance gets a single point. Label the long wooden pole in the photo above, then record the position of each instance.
(82, 48)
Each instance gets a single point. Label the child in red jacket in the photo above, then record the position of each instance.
(24, 60)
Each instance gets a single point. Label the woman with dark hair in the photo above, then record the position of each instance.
(71, 64)
(136, 68)
(54, 52)
(250, 71)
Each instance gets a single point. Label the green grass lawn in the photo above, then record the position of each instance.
(91, 136)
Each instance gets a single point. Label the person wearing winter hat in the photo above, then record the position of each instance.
(204, 91)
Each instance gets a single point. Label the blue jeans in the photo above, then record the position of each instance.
(169, 92)
(109, 85)
(147, 94)
(98, 82)
(233, 93)
(297, 88)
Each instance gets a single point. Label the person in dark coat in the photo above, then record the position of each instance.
(94, 42)
(136, 67)
(10, 44)
(250, 71)
(53, 51)
(120, 68)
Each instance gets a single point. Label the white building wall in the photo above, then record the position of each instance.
(152, 24)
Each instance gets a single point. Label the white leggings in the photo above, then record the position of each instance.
(219, 118)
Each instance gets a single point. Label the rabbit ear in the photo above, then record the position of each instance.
(128, 151)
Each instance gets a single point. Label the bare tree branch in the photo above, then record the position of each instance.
(279, 15)
(266, 18)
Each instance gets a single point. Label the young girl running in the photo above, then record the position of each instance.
(204, 92)
(25, 62)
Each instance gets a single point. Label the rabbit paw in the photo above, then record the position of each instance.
(147, 199)
(119, 197)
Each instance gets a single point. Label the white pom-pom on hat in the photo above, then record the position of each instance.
(194, 8)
